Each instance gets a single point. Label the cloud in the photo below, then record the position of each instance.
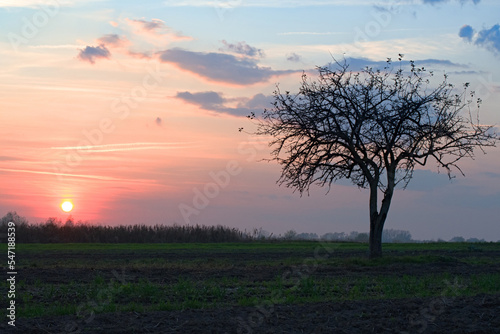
(491, 174)
(97, 177)
(227, 5)
(156, 29)
(434, 2)
(470, 72)
(427, 180)
(356, 64)
(219, 67)
(442, 62)
(7, 158)
(216, 102)
(106, 42)
(311, 33)
(487, 38)
(466, 32)
(260, 101)
(113, 40)
(91, 53)
(39, 3)
(206, 100)
(294, 58)
(140, 55)
(242, 48)
(155, 32)
(127, 147)
(153, 25)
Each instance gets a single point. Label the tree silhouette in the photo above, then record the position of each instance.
(372, 127)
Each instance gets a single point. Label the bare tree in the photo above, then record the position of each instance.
(372, 127)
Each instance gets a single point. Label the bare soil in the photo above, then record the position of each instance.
(474, 314)
(479, 314)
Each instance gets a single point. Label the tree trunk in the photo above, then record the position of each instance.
(377, 219)
(376, 227)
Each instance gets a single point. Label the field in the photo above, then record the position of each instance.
(255, 287)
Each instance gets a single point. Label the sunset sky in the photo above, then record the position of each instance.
(131, 109)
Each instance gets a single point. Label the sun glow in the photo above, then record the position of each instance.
(67, 206)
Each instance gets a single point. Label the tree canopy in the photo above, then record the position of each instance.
(372, 127)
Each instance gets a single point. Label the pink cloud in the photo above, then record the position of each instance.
(216, 102)
(113, 40)
(140, 55)
(154, 32)
(91, 53)
(242, 48)
(220, 67)
(156, 29)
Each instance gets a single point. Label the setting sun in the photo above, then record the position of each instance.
(67, 206)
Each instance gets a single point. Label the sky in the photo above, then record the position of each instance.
(131, 109)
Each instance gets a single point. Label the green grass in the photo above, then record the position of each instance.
(254, 245)
(391, 259)
(229, 246)
(188, 293)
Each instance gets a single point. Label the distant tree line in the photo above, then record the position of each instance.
(387, 236)
(53, 230)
